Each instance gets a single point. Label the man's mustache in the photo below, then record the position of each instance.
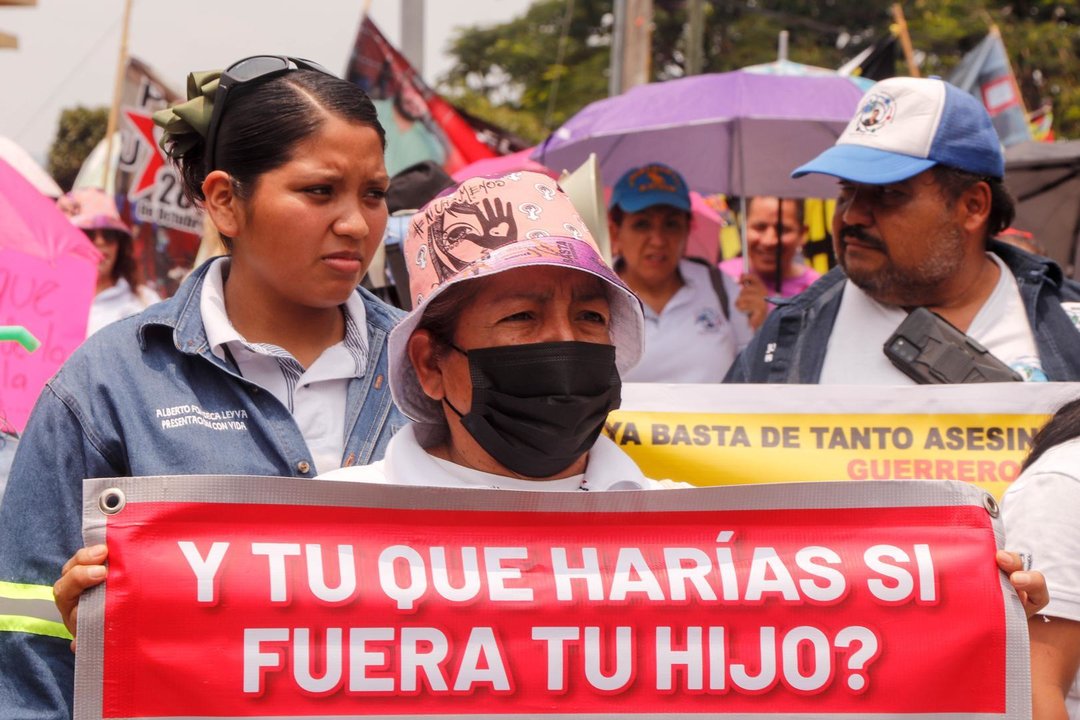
(857, 232)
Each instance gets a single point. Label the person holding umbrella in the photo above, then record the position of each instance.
(692, 333)
(775, 233)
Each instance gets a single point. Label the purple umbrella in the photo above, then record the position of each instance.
(737, 133)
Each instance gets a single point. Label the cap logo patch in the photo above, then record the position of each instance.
(876, 112)
(654, 177)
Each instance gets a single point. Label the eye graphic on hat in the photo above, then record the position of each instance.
(458, 236)
(876, 112)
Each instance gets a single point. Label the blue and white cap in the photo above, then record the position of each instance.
(907, 125)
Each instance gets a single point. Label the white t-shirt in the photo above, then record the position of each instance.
(315, 396)
(690, 340)
(1040, 512)
(407, 463)
(854, 355)
(117, 303)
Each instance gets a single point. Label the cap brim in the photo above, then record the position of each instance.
(864, 165)
(627, 323)
(642, 201)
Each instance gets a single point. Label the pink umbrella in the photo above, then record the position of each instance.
(502, 165)
(704, 240)
(48, 270)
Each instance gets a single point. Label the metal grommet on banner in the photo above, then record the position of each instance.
(111, 501)
(991, 505)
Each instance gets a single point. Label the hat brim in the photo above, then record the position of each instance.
(638, 202)
(627, 323)
(861, 164)
(101, 222)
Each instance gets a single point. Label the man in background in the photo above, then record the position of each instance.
(921, 198)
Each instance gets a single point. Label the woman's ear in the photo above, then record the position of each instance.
(222, 203)
(422, 350)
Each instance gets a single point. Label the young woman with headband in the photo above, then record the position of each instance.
(269, 361)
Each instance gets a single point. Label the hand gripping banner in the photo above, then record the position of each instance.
(251, 597)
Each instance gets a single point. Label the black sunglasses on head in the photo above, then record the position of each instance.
(242, 72)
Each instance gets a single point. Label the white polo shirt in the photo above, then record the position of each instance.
(315, 396)
(855, 355)
(690, 340)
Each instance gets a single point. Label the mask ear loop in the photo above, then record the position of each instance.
(453, 346)
(451, 406)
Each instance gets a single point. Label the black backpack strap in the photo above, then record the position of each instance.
(717, 282)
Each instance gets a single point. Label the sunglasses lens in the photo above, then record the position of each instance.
(254, 67)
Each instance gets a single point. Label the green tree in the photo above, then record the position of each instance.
(508, 71)
(513, 66)
(80, 130)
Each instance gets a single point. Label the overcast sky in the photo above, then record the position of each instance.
(68, 48)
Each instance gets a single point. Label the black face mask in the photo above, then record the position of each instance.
(537, 408)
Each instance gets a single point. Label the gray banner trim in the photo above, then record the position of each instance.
(301, 492)
(39, 609)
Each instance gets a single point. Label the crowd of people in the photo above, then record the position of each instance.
(287, 161)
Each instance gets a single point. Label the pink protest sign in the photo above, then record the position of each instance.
(48, 270)
(51, 300)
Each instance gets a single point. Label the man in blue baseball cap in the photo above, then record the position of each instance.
(692, 332)
(920, 170)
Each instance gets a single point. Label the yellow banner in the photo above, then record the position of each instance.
(813, 433)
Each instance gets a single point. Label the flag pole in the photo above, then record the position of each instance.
(118, 89)
(905, 39)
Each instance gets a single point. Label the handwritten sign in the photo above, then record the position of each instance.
(51, 299)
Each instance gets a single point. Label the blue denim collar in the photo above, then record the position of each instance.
(181, 314)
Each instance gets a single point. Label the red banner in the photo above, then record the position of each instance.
(802, 599)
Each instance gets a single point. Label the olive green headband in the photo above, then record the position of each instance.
(188, 122)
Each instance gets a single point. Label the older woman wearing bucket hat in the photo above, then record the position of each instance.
(511, 359)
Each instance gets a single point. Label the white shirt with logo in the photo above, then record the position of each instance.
(855, 356)
(690, 340)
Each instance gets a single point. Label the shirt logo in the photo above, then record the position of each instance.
(707, 320)
(179, 416)
(877, 112)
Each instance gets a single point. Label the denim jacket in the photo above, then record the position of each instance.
(790, 347)
(144, 396)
